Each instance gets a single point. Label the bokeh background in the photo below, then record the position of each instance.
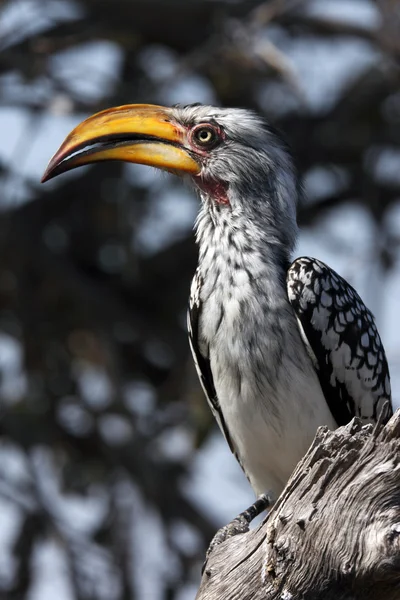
(113, 476)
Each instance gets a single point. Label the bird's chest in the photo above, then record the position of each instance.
(266, 386)
(251, 349)
(249, 336)
(242, 325)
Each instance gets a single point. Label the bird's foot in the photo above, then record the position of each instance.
(239, 524)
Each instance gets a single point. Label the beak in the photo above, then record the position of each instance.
(138, 133)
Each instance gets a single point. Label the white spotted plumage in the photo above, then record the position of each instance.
(341, 331)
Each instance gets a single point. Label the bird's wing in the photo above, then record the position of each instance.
(201, 357)
(342, 339)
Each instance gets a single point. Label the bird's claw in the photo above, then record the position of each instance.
(239, 524)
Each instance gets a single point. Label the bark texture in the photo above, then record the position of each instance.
(334, 533)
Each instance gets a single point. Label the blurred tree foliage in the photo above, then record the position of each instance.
(106, 394)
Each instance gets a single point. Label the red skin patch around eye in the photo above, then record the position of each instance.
(217, 190)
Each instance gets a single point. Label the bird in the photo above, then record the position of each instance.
(281, 346)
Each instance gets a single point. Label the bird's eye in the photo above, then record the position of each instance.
(205, 136)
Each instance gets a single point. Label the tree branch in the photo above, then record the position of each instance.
(334, 533)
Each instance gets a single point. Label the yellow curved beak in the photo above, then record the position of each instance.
(138, 133)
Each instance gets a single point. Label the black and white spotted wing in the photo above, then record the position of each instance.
(201, 358)
(342, 339)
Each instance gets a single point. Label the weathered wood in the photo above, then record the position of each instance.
(334, 533)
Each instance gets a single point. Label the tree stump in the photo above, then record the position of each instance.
(333, 534)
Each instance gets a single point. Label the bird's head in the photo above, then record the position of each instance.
(232, 157)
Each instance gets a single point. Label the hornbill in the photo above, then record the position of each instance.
(280, 347)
